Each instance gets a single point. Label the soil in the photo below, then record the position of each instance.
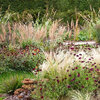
(16, 98)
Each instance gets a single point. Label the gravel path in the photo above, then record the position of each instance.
(80, 42)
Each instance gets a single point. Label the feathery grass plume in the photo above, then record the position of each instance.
(3, 32)
(57, 63)
(10, 31)
(40, 34)
(65, 61)
(76, 30)
(98, 33)
(77, 95)
(96, 55)
(53, 30)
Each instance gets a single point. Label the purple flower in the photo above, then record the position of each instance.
(87, 78)
(82, 86)
(65, 78)
(72, 48)
(73, 79)
(68, 86)
(67, 70)
(42, 97)
(76, 67)
(70, 75)
(82, 61)
(77, 55)
(74, 54)
(89, 48)
(78, 75)
(97, 69)
(33, 68)
(91, 69)
(80, 58)
(57, 81)
(95, 80)
(95, 66)
(40, 89)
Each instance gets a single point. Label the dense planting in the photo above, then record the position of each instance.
(20, 59)
(49, 50)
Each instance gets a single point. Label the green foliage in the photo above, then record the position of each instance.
(10, 81)
(83, 36)
(20, 59)
(87, 34)
(63, 8)
(26, 43)
(2, 98)
(82, 80)
(10, 85)
(79, 79)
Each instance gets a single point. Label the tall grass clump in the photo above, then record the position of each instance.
(10, 85)
(77, 95)
(10, 81)
(98, 33)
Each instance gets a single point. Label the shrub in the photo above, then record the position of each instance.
(20, 59)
